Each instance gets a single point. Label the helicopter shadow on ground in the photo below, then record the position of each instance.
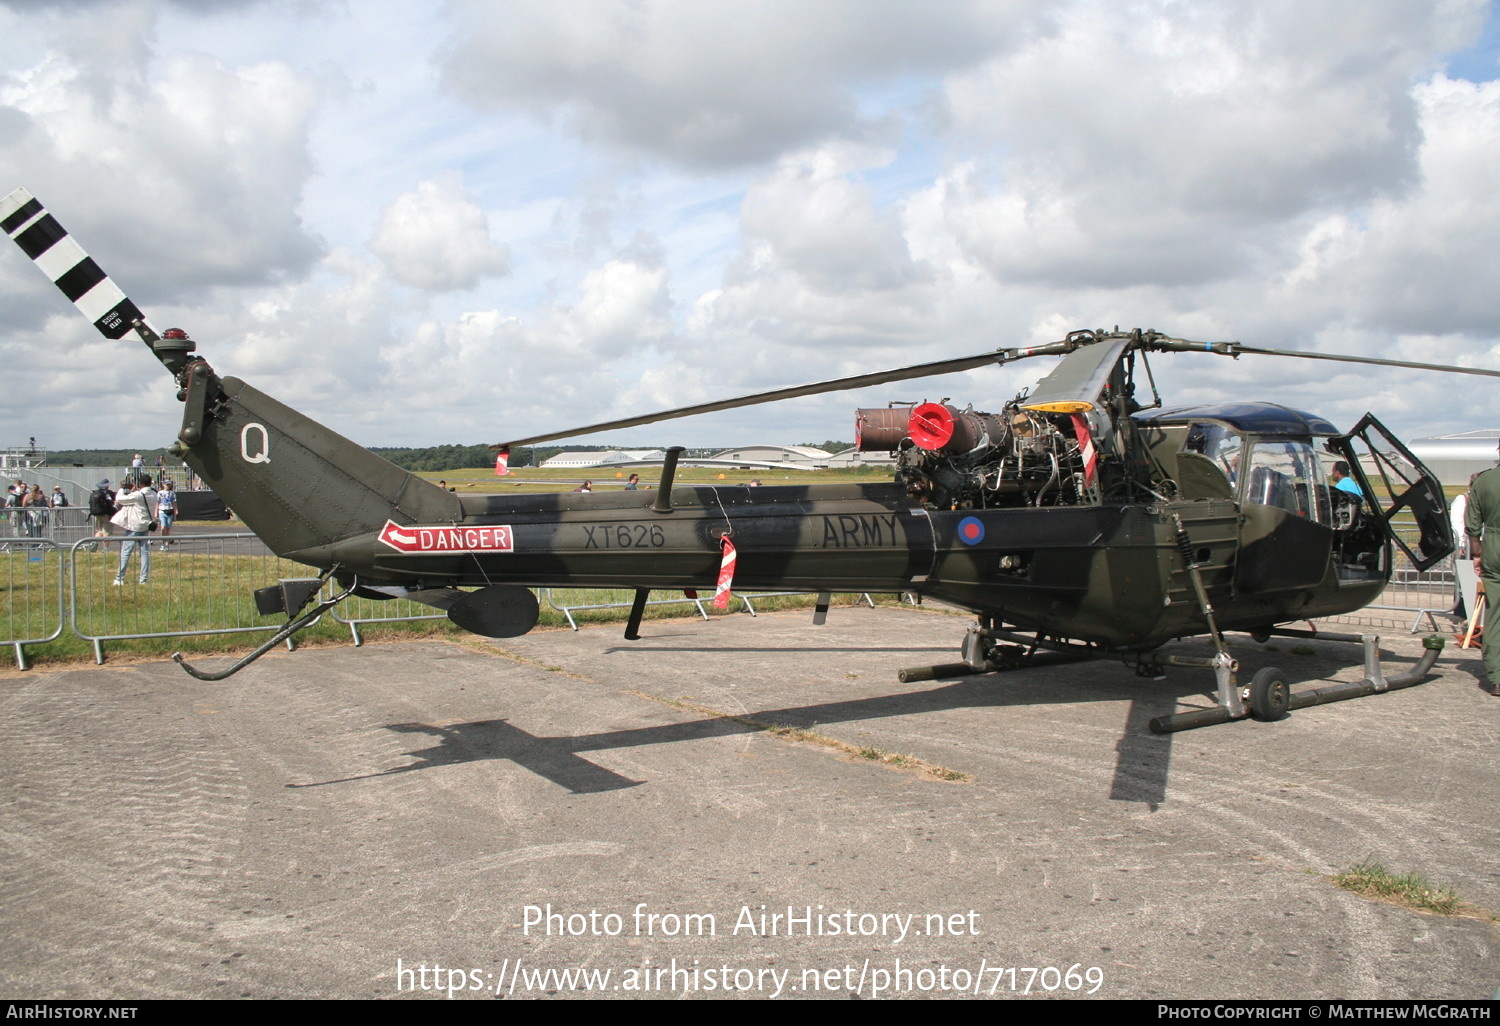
(1142, 765)
(946, 649)
(1143, 759)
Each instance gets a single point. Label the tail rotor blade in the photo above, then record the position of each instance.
(66, 265)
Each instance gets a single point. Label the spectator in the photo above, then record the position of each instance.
(36, 511)
(101, 508)
(166, 510)
(134, 513)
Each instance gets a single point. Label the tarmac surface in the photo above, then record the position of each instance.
(396, 820)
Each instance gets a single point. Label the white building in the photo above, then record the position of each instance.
(606, 458)
(1456, 458)
(795, 457)
(854, 458)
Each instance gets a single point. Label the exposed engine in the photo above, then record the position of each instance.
(964, 459)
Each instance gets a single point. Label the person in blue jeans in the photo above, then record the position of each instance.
(134, 511)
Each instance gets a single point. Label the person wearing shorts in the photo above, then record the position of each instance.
(166, 510)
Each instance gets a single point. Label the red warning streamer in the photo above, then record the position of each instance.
(1086, 447)
(726, 575)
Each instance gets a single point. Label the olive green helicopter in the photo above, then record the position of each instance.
(1084, 519)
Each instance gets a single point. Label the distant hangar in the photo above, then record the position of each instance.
(740, 457)
(1456, 458)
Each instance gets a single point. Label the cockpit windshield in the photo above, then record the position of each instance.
(1287, 474)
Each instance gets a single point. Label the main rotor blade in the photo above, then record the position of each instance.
(1449, 368)
(997, 357)
(921, 370)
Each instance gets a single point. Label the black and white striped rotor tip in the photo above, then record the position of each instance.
(63, 261)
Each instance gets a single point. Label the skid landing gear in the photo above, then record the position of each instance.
(1270, 697)
(988, 648)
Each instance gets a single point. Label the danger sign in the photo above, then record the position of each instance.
(441, 538)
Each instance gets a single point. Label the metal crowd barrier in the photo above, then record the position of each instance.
(606, 598)
(366, 611)
(63, 525)
(623, 598)
(197, 584)
(566, 601)
(1425, 593)
(33, 611)
(745, 597)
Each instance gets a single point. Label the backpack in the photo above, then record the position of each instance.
(101, 503)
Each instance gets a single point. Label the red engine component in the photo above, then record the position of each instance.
(938, 427)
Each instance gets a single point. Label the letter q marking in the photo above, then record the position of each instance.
(263, 456)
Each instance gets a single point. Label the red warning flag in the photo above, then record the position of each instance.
(726, 575)
(502, 463)
(1086, 448)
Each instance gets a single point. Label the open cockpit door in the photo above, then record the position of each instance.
(1406, 496)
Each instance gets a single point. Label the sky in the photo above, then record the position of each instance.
(424, 223)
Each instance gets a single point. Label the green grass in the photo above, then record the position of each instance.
(1410, 890)
(193, 592)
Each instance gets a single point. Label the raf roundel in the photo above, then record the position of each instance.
(971, 530)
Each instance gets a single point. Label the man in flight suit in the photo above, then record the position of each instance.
(1483, 526)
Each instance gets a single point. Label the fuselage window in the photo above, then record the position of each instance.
(1218, 443)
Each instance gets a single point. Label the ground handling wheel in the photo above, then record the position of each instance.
(1270, 695)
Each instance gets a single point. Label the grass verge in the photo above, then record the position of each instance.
(192, 593)
(790, 733)
(1372, 880)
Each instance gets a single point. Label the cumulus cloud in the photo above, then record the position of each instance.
(204, 6)
(1146, 143)
(504, 374)
(709, 85)
(437, 237)
(1425, 263)
(179, 173)
(624, 307)
(831, 188)
(822, 223)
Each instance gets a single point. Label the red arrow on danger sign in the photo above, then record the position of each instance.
(444, 538)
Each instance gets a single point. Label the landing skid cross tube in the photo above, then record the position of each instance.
(1268, 696)
(1271, 698)
(981, 654)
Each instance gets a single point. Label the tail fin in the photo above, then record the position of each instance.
(65, 263)
(300, 486)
